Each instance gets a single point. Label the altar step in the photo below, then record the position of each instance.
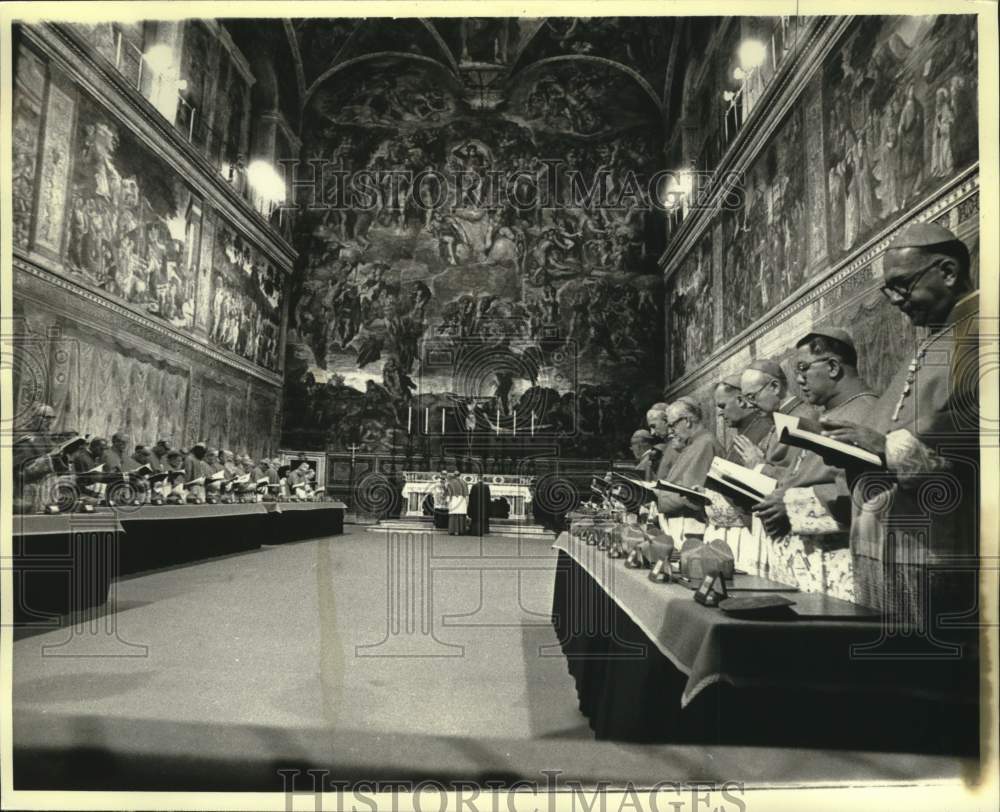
(508, 528)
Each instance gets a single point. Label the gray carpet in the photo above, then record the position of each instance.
(368, 656)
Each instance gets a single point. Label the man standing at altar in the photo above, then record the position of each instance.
(479, 509)
(915, 529)
(458, 504)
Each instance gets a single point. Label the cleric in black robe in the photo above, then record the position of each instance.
(479, 509)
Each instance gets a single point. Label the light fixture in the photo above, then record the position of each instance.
(728, 95)
(676, 189)
(160, 58)
(751, 54)
(166, 83)
(685, 181)
(268, 186)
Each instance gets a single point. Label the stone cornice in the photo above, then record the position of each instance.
(960, 188)
(158, 333)
(769, 111)
(64, 48)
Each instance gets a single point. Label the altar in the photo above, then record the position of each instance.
(515, 488)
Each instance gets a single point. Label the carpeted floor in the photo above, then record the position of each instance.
(367, 655)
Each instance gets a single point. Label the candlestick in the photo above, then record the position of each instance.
(532, 422)
(409, 418)
(442, 421)
(498, 421)
(427, 420)
(514, 424)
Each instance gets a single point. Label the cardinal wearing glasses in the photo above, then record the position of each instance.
(808, 515)
(765, 388)
(697, 447)
(914, 533)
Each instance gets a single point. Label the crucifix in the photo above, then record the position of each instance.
(353, 448)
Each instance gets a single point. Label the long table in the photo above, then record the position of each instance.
(652, 664)
(67, 562)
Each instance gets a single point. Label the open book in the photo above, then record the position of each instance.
(681, 490)
(639, 483)
(808, 434)
(665, 485)
(739, 484)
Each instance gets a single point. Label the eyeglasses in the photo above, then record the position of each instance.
(671, 425)
(751, 399)
(802, 368)
(901, 293)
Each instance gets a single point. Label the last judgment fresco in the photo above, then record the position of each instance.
(495, 269)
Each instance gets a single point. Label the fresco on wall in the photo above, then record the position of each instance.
(563, 300)
(100, 386)
(56, 162)
(246, 299)
(30, 86)
(901, 118)
(639, 42)
(576, 98)
(132, 224)
(387, 94)
(890, 117)
(765, 256)
(692, 310)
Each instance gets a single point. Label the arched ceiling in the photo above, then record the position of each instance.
(495, 63)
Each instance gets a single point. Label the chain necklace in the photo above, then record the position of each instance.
(911, 377)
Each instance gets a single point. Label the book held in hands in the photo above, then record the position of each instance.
(808, 434)
(741, 485)
(665, 485)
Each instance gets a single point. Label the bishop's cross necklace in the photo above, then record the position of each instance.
(911, 377)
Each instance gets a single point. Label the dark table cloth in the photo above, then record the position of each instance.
(66, 562)
(651, 664)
